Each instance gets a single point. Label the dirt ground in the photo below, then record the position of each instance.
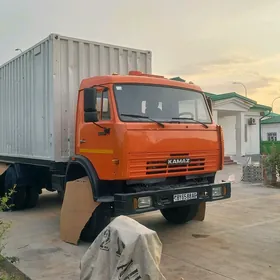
(239, 239)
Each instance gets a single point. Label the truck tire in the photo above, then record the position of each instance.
(100, 218)
(32, 197)
(17, 200)
(60, 195)
(180, 215)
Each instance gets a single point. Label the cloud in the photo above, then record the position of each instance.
(236, 64)
(233, 60)
(260, 82)
(222, 62)
(259, 74)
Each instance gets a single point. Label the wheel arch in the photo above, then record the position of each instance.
(17, 169)
(79, 167)
(26, 174)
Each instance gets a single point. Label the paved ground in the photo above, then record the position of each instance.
(240, 239)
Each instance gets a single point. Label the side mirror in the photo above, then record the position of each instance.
(90, 112)
(209, 102)
(90, 96)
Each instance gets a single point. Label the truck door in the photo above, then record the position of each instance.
(96, 139)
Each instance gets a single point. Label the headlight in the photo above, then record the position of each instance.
(144, 202)
(217, 191)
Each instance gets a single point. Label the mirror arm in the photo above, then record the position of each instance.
(105, 129)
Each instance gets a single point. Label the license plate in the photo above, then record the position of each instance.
(184, 196)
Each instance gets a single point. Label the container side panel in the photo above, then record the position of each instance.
(74, 60)
(64, 89)
(25, 125)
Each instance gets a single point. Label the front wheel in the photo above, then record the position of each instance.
(180, 215)
(100, 218)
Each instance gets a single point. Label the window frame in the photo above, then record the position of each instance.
(271, 134)
(109, 106)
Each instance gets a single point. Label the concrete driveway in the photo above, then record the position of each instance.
(240, 239)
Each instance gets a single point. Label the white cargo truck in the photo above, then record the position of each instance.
(39, 90)
(38, 96)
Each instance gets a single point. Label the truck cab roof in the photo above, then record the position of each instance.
(135, 79)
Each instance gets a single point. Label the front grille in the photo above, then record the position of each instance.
(161, 167)
(152, 163)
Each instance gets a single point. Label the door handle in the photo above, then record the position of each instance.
(82, 141)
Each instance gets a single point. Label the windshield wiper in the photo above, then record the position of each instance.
(192, 119)
(143, 117)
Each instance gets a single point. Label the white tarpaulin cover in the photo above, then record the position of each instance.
(124, 250)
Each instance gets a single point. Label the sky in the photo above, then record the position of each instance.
(209, 42)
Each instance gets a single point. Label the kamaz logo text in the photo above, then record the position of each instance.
(178, 161)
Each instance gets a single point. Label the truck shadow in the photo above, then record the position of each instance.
(50, 204)
(48, 201)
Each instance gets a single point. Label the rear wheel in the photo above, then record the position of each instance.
(17, 199)
(32, 197)
(100, 218)
(180, 215)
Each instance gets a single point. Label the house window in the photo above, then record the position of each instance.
(246, 132)
(271, 136)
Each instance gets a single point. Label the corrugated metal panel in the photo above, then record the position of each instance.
(25, 97)
(74, 60)
(38, 93)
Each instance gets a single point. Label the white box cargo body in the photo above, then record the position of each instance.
(39, 88)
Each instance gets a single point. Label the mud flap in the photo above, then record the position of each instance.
(78, 206)
(200, 215)
(3, 168)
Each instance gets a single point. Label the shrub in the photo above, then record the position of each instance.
(271, 164)
(4, 225)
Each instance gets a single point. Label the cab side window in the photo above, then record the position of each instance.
(105, 114)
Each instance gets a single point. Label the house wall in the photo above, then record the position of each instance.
(228, 125)
(252, 143)
(266, 128)
(215, 116)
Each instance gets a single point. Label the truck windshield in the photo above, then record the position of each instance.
(160, 103)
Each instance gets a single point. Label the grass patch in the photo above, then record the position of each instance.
(9, 272)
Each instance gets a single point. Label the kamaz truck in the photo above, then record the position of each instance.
(72, 108)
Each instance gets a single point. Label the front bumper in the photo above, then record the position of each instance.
(124, 203)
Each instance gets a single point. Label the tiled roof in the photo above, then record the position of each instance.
(178, 79)
(261, 107)
(223, 96)
(275, 119)
(270, 114)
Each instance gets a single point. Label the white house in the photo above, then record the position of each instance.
(240, 119)
(270, 127)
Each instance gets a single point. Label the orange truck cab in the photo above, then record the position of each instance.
(146, 143)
